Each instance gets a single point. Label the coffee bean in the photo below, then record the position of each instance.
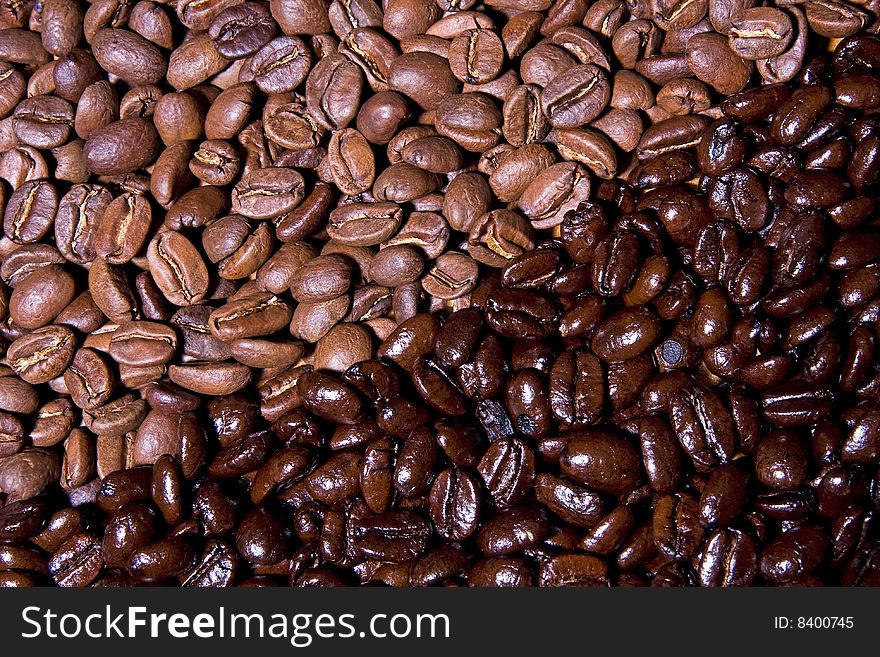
(576, 97)
(834, 19)
(395, 536)
(575, 504)
(28, 473)
(121, 147)
(161, 560)
(351, 161)
(333, 89)
(260, 538)
(77, 562)
(177, 268)
(268, 193)
(217, 566)
(625, 334)
(512, 530)
(793, 554)
(715, 63)
(41, 296)
(760, 33)
(424, 77)
(28, 214)
(573, 570)
(129, 56)
(476, 56)
(43, 354)
(211, 378)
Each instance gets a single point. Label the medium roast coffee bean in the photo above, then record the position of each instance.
(576, 97)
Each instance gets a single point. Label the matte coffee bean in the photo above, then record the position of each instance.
(576, 97)
(715, 63)
(728, 560)
(177, 268)
(29, 211)
(121, 147)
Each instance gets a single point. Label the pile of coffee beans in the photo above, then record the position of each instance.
(439, 292)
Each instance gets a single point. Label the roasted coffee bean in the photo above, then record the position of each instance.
(793, 554)
(455, 504)
(249, 316)
(626, 334)
(414, 466)
(333, 88)
(660, 454)
(835, 19)
(424, 77)
(438, 387)
(520, 313)
(42, 355)
(260, 538)
(508, 470)
(121, 147)
(178, 268)
(675, 526)
(143, 343)
(217, 566)
(574, 504)
(715, 63)
(602, 460)
(116, 418)
(501, 572)
(723, 496)
(702, 424)
(89, 379)
(364, 224)
(351, 161)
(22, 520)
(760, 33)
(241, 30)
(510, 531)
(684, 96)
(576, 97)
(795, 405)
(211, 378)
(78, 561)
(268, 193)
(43, 121)
(728, 559)
(166, 558)
(29, 211)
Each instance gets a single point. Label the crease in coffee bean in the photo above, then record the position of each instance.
(368, 60)
(55, 346)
